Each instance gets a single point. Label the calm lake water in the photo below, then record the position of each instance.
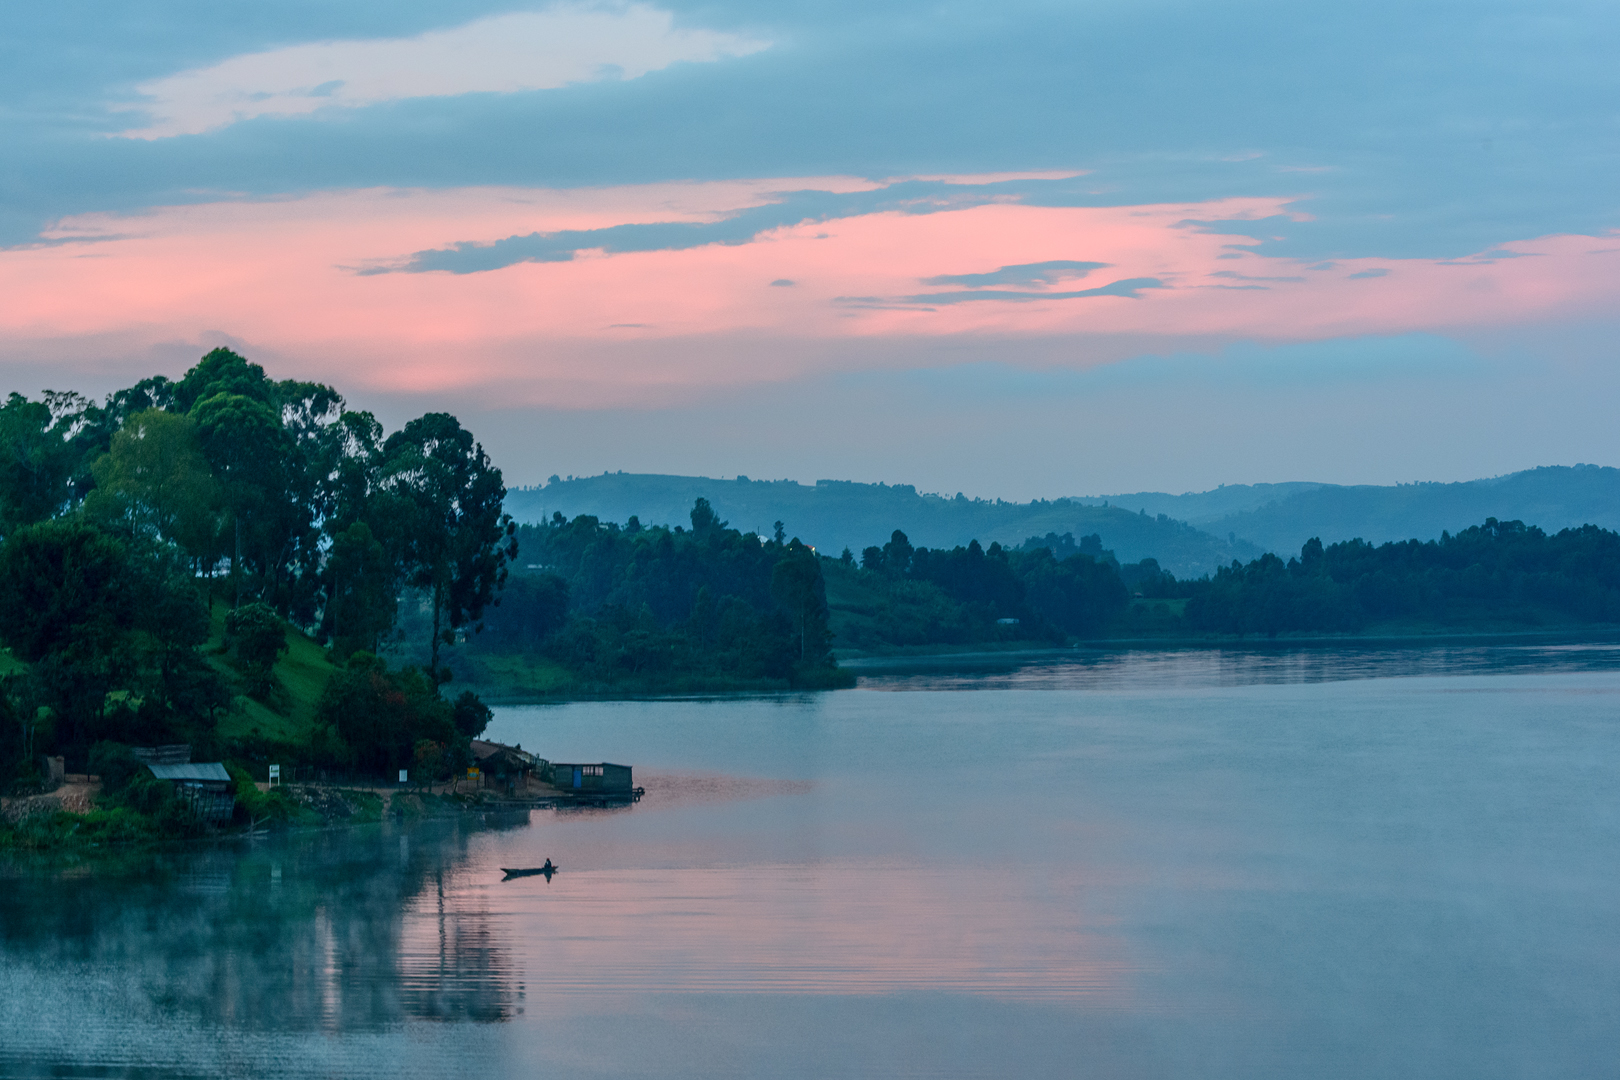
(1311, 863)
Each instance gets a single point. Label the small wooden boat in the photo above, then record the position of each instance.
(529, 871)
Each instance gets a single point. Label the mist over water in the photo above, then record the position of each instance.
(1245, 863)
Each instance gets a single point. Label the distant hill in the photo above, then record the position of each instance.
(1189, 534)
(1553, 498)
(1203, 507)
(834, 514)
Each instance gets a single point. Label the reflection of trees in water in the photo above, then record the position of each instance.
(461, 970)
(300, 934)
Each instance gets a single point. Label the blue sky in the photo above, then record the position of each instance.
(565, 221)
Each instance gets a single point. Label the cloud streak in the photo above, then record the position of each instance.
(730, 227)
(1041, 273)
(545, 50)
(1130, 288)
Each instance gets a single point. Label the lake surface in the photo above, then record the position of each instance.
(1306, 863)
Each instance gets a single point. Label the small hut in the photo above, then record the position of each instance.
(205, 785)
(603, 779)
(504, 766)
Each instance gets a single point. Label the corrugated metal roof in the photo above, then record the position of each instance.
(197, 770)
(173, 754)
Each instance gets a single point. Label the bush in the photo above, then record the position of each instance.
(381, 715)
(117, 766)
(257, 637)
(471, 715)
(255, 807)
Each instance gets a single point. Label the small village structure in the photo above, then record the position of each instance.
(205, 785)
(502, 766)
(603, 779)
(526, 777)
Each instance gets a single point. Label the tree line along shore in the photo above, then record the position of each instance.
(250, 567)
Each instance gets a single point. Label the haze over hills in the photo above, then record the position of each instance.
(834, 514)
(1190, 534)
(1203, 508)
(1281, 517)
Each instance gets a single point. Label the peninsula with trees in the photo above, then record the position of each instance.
(250, 568)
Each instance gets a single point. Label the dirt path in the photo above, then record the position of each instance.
(76, 796)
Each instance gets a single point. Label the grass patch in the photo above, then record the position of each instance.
(303, 672)
(60, 829)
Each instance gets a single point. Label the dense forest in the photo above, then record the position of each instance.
(1495, 577)
(1044, 592)
(598, 607)
(163, 550)
(1499, 575)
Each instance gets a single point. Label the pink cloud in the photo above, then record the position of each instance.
(282, 275)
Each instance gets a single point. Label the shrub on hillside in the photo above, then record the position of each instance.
(378, 716)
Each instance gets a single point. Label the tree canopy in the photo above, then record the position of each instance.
(123, 523)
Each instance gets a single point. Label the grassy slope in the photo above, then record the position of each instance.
(303, 671)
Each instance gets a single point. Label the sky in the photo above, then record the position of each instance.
(1021, 249)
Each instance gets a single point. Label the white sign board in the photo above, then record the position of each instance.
(402, 774)
(275, 773)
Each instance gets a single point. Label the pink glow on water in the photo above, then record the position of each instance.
(282, 276)
(844, 928)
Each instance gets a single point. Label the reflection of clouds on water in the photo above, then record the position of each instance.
(828, 928)
(1243, 665)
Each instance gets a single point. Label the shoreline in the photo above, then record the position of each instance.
(1093, 646)
(329, 808)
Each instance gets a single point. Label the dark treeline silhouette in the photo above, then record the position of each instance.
(156, 546)
(904, 596)
(628, 606)
(1493, 577)
(1502, 572)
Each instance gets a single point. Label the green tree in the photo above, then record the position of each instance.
(257, 638)
(248, 450)
(471, 715)
(382, 716)
(63, 584)
(156, 478)
(897, 555)
(67, 607)
(443, 498)
(36, 463)
(361, 592)
(797, 585)
(704, 520)
(180, 691)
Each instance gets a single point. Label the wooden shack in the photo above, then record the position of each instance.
(504, 766)
(205, 785)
